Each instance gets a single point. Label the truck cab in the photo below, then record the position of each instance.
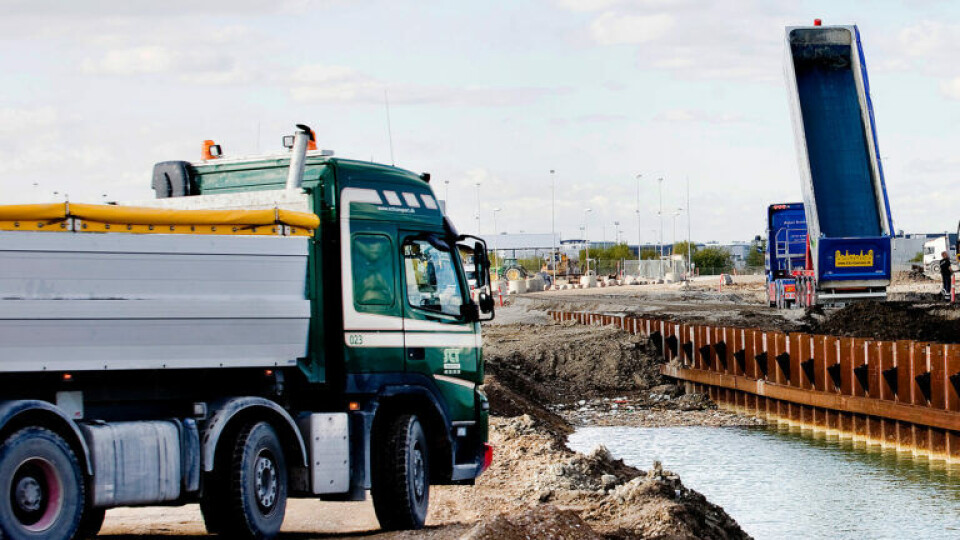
(786, 252)
(394, 325)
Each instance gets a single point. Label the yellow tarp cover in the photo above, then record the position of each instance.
(132, 215)
(16, 212)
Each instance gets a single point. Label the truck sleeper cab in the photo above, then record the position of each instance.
(189, 352)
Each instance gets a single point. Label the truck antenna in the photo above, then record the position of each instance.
(386, 101)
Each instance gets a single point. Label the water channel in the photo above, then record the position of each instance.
(779, 484)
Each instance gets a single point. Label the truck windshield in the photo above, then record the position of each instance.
(431, 278)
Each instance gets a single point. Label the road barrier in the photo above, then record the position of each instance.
(896, 394)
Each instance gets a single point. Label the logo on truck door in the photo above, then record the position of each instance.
(848, 259)
(451, 361)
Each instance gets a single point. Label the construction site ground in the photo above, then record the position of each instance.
(544, 379)
(914, 308)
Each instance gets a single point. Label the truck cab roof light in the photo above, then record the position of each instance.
(211, 150)
(817, 22)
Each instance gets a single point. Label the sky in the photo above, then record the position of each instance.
(498, 93)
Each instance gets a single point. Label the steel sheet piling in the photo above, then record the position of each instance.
(903, 395)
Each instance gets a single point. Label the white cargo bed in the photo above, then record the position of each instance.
(87, 301)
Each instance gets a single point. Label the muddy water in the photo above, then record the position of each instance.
(778, 484)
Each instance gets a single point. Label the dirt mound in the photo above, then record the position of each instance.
(506, 401)
(659, 506)
(532, 470)
(546, 522)
(557, 363)
(889, 321)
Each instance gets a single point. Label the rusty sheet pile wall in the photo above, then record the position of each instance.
(896, 394)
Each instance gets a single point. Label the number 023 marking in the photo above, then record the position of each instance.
(355, 339)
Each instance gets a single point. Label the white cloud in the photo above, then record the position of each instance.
(133, 61)
(951, 88)
(156, 60)
(612, 28)
(694, 115)
(321, 83)
(18, 122)
(684, 37)
(320, 74)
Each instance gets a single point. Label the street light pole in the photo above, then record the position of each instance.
(478, 207)
(586, 236)
(639, 226)
(675, 216)
(495, 237)
(689, 247)
(553, 224)
(660, 215)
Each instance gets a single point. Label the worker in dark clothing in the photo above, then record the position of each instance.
(946, 272)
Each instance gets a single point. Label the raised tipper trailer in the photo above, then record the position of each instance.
(294, 325)
(844, 195)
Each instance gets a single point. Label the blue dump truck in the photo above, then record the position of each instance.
(786, 255)
(844, 195)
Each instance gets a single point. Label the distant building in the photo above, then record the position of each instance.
(522, 245)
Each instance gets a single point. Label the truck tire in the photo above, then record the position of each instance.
(212, 506)
(43, 485)
(91, 522)
(258, 485)
(401, 475)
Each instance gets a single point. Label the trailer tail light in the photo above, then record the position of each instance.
(211, 150)
(354, 406)
(67, 377)
(487, 457)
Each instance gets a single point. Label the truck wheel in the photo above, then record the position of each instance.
(258, 485)
(91, 522)
(215, 490)
(401, 476)
(44, 488)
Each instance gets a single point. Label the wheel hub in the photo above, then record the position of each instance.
(29, 495)
(36, 494)
(265, 480)
(419, 480)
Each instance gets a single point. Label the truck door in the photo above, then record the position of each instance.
(440, 339)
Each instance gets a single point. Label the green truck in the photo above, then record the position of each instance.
(295, 325)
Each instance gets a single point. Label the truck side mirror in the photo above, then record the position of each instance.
(469, 312)
(482, 264)
(485, 302)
